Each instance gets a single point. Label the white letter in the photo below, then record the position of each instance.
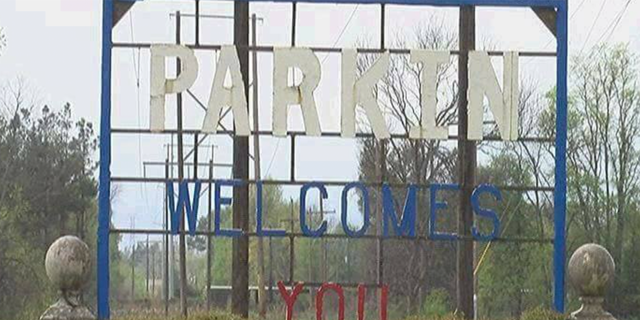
(360, 92)
(504, 105)
(160, 86)
(430, 61)
(234, 97)
(285, 95)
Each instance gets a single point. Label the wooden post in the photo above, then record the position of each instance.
(240, 262)
(183, 241)
(467, 167)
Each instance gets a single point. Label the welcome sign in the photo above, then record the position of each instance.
(227, 90)
(356, 92)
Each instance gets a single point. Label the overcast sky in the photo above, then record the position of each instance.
(54, 45)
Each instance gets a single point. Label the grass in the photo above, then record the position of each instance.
(534, 314)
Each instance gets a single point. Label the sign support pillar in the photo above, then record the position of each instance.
(467, 167)
(240, 263)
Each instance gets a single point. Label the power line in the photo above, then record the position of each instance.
(273, 157)
(344, 28)
(546, 45)
(593, 26)
(136, 70)
(615, 22)
(335, 43)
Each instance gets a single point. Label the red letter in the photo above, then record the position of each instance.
(384, 292)
(290, 299)
(361, 293)
(320, 299)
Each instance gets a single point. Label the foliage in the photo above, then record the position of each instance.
(413, 268)
(47, 190)
(3, 40)
(542, 314)
(437, 304)
(215, 315)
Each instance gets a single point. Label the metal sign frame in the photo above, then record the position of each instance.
(105, 178)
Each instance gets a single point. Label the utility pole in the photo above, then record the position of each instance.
(467, 167)
(148, 265)
(133, 261)
(262, 306)
(240, 262)
(133, 272)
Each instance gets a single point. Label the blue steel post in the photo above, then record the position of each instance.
(560, 195)
(104, 205)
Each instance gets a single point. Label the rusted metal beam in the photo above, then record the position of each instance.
(120, 8)
(548, 17)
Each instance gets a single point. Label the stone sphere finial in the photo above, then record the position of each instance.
(68, 266)
(68, 263)
(591, 270)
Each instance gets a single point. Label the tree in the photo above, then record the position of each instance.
(47, 190)
(3, 40)
(415, 269)
(604, 162)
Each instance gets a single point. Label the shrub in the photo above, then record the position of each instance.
(541, 313)
(436, 304)
(215, 315)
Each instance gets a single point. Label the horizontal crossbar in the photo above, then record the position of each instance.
(326, 183)
(293, 235)
(436, 3)
(360, 135)
(146, 45)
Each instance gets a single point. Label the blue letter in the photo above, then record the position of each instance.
(487, 213)
(408, 223)
(303, 208)
(365, 202)
(259, 231)
(435, 205)
(220, 201)
(183, 201)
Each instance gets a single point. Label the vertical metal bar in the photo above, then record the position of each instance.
(294, 20)
(153, 272)
(197, 17)
(240, 262)
(104, 197)
(183, 240)
(147, 257)
(167, 238)
(292, 167)
(195, 156)
(383, 19)
(560, 194)
(270, 270)
(133, 270)
(262, 307)
(209, 224)
(467, 165)
(292, 248)
(382, 154)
